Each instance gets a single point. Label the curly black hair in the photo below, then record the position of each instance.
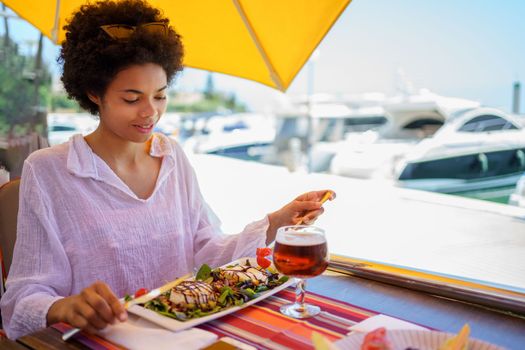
(90, 58)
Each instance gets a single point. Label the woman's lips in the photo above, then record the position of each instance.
(144, 129)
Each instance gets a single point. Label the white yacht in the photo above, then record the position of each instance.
(245, 136)
(478, 149)
(478, 152)
(330, 122)
(410, 119)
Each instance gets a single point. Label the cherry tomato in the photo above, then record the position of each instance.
(140, 292)
(263, 251)
(376, 340)
(263, 262)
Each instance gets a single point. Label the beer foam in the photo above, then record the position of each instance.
(305, 239)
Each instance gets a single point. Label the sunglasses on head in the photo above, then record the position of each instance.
(124, 31)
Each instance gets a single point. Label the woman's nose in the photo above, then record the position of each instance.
(148, 109)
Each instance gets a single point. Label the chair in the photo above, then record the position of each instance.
(8, 216)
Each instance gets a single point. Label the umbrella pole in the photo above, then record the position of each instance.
(273, 74)
(309, 132)
(54, 31)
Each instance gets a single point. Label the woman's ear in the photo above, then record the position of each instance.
(94, 98)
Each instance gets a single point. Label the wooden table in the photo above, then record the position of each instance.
(439, 313)
(10, 345)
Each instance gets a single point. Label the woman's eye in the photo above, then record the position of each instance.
(160, 97)
(130, 101)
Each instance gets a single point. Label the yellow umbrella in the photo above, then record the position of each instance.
(267, 41)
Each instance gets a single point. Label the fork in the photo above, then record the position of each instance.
(140, 300)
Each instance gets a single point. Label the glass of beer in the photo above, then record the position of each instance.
(300, 251)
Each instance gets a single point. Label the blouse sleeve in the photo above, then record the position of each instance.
(40, 272)
(215, 248)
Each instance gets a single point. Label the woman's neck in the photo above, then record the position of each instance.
(116, 151)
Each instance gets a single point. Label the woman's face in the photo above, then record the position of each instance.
(134, 102)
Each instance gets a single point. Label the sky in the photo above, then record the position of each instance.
(460, 48)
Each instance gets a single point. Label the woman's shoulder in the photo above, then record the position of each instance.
(49, 155)
(45, 166)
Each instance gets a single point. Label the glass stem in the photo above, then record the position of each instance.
(299, 294)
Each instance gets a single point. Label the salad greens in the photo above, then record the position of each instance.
(214, 290)
(203, 273)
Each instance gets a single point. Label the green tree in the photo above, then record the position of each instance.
(219, 102)
(23, 88)
(60, 101)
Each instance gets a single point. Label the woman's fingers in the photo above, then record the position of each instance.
(309, 206)
(96, 301)
(305, 209)
(96, 307)
(115, 308)
(305, 206)
(310, 218)
(92, 317)
(316, 195)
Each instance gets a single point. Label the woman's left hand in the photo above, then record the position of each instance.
(304, 209)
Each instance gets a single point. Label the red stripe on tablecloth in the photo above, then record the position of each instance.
(336, 322)
(347, 314)
(328, 331)
(225, 333)
(284, 340)
(342, 320)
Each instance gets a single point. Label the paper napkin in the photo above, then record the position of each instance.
(390, 323)
(137, 333)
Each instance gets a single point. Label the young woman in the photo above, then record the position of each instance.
(120, 209)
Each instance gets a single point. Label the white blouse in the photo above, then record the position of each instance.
(78, 222)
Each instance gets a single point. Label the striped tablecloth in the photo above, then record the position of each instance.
(262, 326)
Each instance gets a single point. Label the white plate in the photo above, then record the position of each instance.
(421, 340)
(176, 325)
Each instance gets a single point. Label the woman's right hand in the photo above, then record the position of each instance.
(93, 309)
